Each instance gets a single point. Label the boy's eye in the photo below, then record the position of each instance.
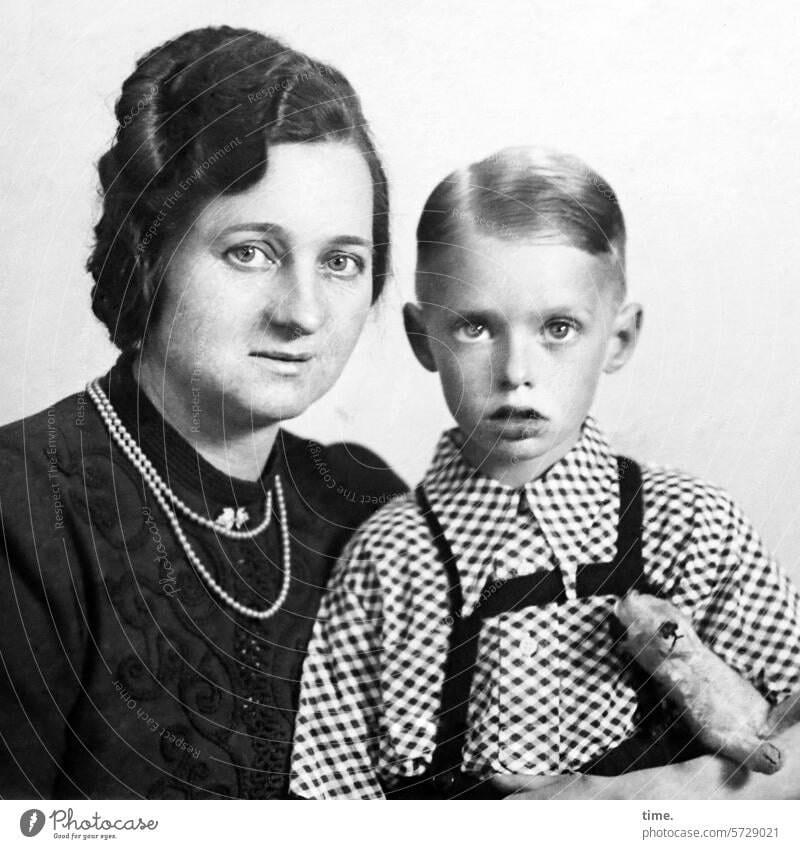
(250, 256)
(471, 332)
(344, 266)
(561, 329)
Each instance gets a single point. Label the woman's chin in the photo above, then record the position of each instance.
(273, 404)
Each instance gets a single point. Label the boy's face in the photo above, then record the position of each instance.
(520, 333)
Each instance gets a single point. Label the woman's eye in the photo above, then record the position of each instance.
(344, 265)
(561, 329)
(471, 332)
(249, 256)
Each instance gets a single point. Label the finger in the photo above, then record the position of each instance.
(511, 783)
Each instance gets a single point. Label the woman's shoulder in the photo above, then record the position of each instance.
(37, 455)
(344, 473)
(48, 437)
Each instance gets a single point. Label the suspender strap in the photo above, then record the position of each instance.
(542, 587)
(625, 572)
(462, 654)
(455, 598)
(539, 588)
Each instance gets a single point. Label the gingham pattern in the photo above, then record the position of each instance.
(549, 693)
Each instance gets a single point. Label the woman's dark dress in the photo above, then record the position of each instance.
(122, 675)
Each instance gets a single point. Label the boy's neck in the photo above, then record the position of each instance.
(516, 472)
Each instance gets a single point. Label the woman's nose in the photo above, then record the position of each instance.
(516, 367)
(301, 307)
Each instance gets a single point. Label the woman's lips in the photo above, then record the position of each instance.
(283, 356)
(283, 362)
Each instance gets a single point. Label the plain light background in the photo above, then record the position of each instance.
(689, 110)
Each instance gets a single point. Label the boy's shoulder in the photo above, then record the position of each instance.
(398, 529)
(662, 485)
(400, 518)
(678, 505)
(675, 502)
(669, 485)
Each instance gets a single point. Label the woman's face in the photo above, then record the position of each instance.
(265, 297)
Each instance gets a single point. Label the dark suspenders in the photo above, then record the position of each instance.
(625, 572)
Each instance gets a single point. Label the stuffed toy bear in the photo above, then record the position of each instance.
(727, 713)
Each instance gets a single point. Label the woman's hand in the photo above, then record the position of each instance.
(689, 780)
(707, 777)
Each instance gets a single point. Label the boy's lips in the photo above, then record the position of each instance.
(517, 423)
(517, 415)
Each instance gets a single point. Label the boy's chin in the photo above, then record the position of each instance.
(520, 452)
(520, 448)
(518, 458)
(489, 451)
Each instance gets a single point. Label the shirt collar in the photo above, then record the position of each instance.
(575, 503)
(476, 512)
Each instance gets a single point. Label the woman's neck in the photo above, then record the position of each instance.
(239, 451)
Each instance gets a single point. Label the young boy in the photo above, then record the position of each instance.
(466, 632)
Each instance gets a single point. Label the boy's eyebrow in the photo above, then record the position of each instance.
(473, 315)
(478, 316)
(566, 309)
(347, 239)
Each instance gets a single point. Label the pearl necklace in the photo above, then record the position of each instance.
(222, 525)
(161, 491)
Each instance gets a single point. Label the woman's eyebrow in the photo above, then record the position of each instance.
(283, 233)
(254, 227)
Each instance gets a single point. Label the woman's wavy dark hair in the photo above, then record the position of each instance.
(196, 119)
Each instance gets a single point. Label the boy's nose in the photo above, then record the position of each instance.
(516, 367)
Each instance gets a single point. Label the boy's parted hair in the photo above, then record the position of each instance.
(524, 193)
(196, 119)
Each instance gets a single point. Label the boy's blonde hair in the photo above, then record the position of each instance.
(526, 193)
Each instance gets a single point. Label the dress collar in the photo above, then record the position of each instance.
(575, 504)
(200, 484)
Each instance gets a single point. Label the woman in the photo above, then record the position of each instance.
(166, 543)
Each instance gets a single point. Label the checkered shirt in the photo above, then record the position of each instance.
(550, 692)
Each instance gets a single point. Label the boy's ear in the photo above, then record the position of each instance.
(625, 335)
(418, 336)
